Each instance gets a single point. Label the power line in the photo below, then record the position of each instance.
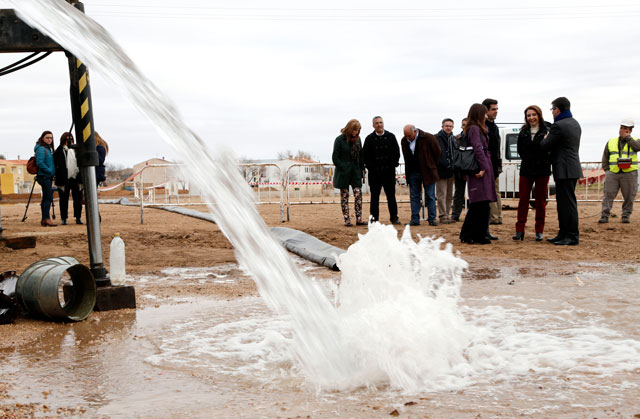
(450, 9)
(111, 9)
(367, 19)
(495, 13)
(366, 15)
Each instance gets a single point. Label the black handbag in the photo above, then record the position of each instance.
(464, 160)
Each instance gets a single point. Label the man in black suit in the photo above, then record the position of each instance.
(563, 144)
(381, 157)
(496, 160)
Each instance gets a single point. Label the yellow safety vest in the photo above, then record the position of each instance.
(615, 154)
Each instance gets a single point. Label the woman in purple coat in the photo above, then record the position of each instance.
(481, 186)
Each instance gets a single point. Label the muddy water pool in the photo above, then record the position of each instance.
(547, 342)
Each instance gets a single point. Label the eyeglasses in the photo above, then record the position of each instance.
(553, 108)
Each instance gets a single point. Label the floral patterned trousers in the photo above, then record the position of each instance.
(344, 202)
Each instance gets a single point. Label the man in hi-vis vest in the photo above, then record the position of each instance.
(620, 162)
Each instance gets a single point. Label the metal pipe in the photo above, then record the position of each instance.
(38, 289)
(82, 111)
(141, 198)
(93, 219)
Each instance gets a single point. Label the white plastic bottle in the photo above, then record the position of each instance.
(117, 260)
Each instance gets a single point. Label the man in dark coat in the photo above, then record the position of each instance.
(460, 183)
(381, 157)
(563, 144)
(496, 159)
(421, 154)
(444, 186)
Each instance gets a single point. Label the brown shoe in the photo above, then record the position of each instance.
(48, 223)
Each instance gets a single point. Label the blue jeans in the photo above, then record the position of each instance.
(415, 193)
(47, 195)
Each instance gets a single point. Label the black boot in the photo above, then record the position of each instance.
(556, 238)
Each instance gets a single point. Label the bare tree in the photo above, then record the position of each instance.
(244, 159)
(117, 171)
(113, 167)
(300, 155)
(284, 154)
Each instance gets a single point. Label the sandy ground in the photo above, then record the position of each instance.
(170, 240)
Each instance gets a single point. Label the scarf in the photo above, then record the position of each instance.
(355, 152)
(534, 131)
(563, 115)
(72, 163)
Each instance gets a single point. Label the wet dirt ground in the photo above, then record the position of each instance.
(124, 364)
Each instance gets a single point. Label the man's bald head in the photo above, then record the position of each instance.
(410, 131)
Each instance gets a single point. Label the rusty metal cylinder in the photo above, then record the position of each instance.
(41, 289)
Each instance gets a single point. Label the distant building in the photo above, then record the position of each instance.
(268, 173)
(156, 176)
(274, 170)
(14, 177)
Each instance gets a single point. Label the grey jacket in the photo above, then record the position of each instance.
(563, 144)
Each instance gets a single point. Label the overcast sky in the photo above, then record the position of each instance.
(265, 77)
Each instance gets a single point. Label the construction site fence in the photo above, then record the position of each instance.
(589, 188)
(312, 183)
(174, 190)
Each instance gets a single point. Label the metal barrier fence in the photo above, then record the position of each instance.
(172, 185)
(260, 177)
(312, 183)
(305, 181)
(590, 188)
(316, 184)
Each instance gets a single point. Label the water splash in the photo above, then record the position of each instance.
(398, 301)
(398, 321)
(284, 288)
(395, 319)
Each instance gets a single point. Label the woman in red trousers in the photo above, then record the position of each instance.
(535, 170)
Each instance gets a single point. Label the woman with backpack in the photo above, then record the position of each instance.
(67, 178)
(46, 171)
